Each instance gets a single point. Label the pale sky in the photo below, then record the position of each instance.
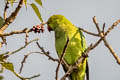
(80, 12)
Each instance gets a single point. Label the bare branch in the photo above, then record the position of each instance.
(24, 59)
(22, 63)
(102, 35)
(35, 76)
(8, 53)
(26, 37)
(12, 17)
(89, 32)
(97, 25)
(80, 60)
(103, 28)
(13, 52)
(111, 50)
(70, 69)
(112, 27)
(61, 58)
(5, 10)
(23, 78)
(97, 43)
(46, 53)
(16, 32)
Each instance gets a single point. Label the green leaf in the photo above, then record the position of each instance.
(1, 70)
(25, 2)
(39, 2)
(1, 58)
(8, 66)
(35, 8)
(1, 21)
(1, 77)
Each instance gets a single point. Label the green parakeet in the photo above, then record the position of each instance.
(64, 30)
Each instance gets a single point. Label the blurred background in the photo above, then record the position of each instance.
(80, 12)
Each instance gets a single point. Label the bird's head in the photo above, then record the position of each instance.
(55, 21)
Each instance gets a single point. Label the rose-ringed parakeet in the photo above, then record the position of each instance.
(76, 46)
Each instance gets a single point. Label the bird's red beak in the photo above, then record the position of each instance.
(49, 28)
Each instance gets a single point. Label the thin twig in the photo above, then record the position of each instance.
(8, 53)
(65, 64)
(89, 32)
(46, 53)
(23, 78)
(26, 37)
(5, 10)
(112, 27)
(96, 44)
(22, 63)
(97, 25)
(15, 32)
(103, 28)
(111, 50)
(12, 17)
(70, 69)
(61, 58)
(24, 60)
(102, 35)
(80, 60)
(13, 52)
(35, 76)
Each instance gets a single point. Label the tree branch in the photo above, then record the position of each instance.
(12, 17)
(46, 53)
(19, 49)
(96, 24)
(16, 32)
(61, 58)
(102, 35)
(111, 50)
(5, 10)
(80, 60)
(89, 32)
(24, 59)
(112, 27)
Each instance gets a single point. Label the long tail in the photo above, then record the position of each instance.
(87, 71)
(79, 74)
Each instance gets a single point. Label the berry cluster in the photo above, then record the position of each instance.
(38, 28)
